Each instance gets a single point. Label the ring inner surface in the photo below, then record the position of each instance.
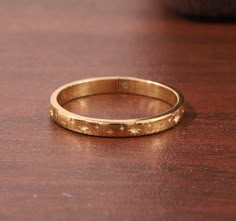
(117, 106)
(143, 99)
(121, 86)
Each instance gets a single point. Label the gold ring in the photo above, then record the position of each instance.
(116, 128)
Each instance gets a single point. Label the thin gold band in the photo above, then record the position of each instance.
(116, 128)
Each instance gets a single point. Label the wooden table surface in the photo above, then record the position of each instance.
(48, 173)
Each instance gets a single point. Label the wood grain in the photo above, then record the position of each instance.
(48, 173)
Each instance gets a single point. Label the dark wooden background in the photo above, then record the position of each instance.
(48, 173)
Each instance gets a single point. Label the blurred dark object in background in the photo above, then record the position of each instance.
(205, 8)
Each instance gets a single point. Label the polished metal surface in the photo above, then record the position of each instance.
(113, 127)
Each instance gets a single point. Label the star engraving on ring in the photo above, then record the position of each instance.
(134, 130)
(72, 121)
(110, 131)
(63, 123)
(83, 128)
(51, 113)
(161, 126)
(122, 128)
(176, 119)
